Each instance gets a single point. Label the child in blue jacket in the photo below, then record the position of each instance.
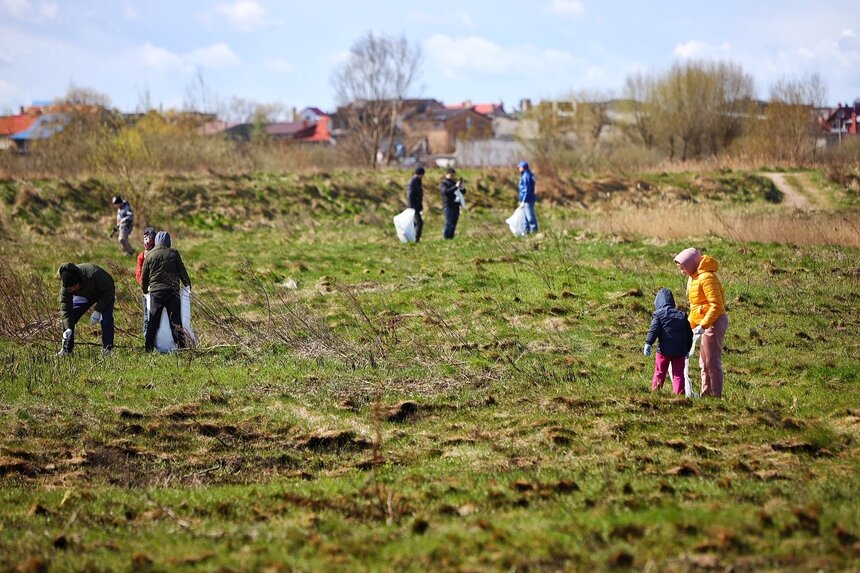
(671, 327)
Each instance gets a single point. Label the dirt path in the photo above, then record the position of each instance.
(799, 191)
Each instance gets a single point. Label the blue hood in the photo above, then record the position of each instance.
(664, 299)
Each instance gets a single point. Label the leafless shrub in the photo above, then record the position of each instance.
(28, 305)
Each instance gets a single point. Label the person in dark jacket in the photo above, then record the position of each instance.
(415, 200)
(85, 286)
(163, 270)
(527, 196)
(671, 327)
(448, 188)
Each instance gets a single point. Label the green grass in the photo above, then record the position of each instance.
(480, 404)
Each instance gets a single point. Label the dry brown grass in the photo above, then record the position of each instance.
(679, 221)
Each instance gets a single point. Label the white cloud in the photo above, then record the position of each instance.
(155, 57)
(215, 56)
(340, 57)
(218, 55)
(280, 66)
(567, 7)
(49, 10)
(29, 10)
(701, 50)
(478, 54)
(246, 15)
(130, 13)
(419, 16)
(463, 18)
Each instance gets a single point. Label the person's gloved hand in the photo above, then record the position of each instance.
(96, 317)
(647, 350)
(67, 335)
(698, 331)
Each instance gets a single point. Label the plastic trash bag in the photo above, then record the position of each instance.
(460, 198)
(517, 222)
(164, 337)
(404, 224)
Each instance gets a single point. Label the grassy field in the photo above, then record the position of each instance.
(481, 404)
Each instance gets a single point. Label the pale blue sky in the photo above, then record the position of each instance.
(285, 52)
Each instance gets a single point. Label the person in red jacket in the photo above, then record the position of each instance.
(148, 243)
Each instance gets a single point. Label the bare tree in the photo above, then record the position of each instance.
(637, 91)
(199, 97)
(790, 114)
(370, 87)
(694, 109)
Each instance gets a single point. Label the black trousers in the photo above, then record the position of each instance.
(164, 300)
(452, 215)
(419, 226)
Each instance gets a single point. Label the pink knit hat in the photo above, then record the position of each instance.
(689, 260)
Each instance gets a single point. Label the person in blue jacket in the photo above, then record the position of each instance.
(671, 327)
(528, 196)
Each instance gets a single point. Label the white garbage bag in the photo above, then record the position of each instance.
(460, 198)
(688, 385)
(164, 337)
(404, 224)
(517, 222)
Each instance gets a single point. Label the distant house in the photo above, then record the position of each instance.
(437, 131)
(46, 126)
(314, 126)
(14, 124)
(842, 122)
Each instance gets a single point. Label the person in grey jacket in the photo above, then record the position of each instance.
(163, 271)
(85, 286)
(124, 223)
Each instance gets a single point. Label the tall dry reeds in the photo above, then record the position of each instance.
(678, 221)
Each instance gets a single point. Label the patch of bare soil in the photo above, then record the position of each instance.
(332, 440)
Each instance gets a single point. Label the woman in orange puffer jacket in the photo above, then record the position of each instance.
(707, 315)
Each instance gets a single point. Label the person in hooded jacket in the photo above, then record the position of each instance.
(670, 326)
(527, 196)
(163, 270)
(708, 316)
(84, 286)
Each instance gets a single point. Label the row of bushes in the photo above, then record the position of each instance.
(153, 145)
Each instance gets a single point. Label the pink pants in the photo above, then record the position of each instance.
(661, 367)
(711, 357)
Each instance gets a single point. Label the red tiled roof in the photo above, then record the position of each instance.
(486, 108)
(12, 124)
(290, 128)
(483, 108)
(321, 132)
